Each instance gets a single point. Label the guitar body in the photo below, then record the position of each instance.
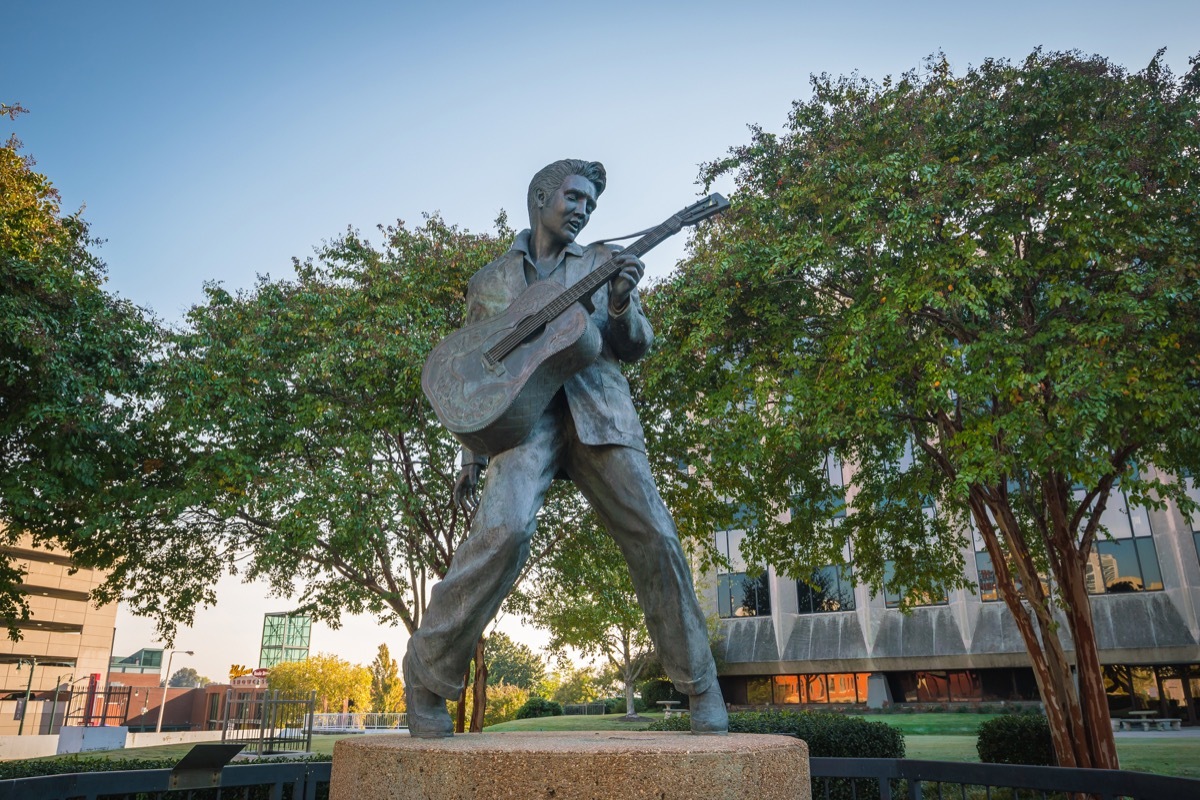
(491, 406)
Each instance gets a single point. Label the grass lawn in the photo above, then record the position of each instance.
(934, 737)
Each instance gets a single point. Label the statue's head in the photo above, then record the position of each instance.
(549, 179)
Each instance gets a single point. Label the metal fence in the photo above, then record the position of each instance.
(581, 709)
(297, 781)
(270, 723)
(902, 779)
(832, 778)
(326, 723)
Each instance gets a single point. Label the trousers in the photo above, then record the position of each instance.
(617, 482)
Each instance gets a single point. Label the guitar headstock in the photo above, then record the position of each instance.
(703, 209)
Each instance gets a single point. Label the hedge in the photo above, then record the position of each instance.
(1016, 739)
(539, 707)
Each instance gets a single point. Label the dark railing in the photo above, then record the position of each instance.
(902, 779)
(859, 778)
(270, 724)
(297, 781)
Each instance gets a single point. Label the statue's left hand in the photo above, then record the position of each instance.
(622, 285)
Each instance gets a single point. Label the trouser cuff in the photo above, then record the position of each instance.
(424, 676)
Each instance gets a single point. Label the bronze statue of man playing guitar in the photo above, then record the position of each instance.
(587, 431)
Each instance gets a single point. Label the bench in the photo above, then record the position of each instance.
(1146, 724)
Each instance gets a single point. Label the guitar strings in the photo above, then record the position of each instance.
(575, 292)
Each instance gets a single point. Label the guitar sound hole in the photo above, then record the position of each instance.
(529, 339)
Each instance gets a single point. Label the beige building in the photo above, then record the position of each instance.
(67, 635)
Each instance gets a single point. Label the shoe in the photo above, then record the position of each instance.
(427, 714)
(707, 712)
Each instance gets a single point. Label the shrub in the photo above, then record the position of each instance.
(1016, 739)
(827, 735)
(539, 707)
(616, 705)
(657, 689)
(504, 702)
(65, 765)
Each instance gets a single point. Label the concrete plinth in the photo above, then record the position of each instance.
(571, 766)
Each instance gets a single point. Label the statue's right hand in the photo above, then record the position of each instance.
(466, 488)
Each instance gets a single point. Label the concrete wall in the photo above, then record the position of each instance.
(174, 737)
(79, 739)
(13, 748)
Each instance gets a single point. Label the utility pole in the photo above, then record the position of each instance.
(54, 705)
(32, 662)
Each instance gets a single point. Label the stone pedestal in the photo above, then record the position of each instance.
(581, 765)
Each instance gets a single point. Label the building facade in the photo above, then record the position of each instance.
(66, 639)
(827, 640)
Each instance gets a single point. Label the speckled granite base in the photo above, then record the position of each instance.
(571, 766)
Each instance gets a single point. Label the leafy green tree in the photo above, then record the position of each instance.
(577, 685)
(340, 685)
(188, 676)
(293, 443)
(387, 689)
(513, 663)
(992, 276)
(74, 365)
(584, 597)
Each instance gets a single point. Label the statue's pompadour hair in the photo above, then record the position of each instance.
(550, 177)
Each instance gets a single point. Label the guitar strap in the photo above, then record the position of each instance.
(626, 236)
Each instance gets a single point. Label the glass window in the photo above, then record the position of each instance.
(758, 691)
(740, 592)
(829, 588)
(742, 595)
(893, 595)
(1127, 562)
(815, 689)
(988, 591)
(787, 690)
(843, 688)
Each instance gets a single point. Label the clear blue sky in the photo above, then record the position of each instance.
(216, 140)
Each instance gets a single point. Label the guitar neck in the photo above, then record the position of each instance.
(588, 285)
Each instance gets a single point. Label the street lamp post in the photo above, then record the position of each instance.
(32, 662)
(166, 682)
(57, 688)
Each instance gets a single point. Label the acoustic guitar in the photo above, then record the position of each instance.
(489, 382)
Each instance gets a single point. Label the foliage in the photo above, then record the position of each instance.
(577, 685)
(1016, 739)
(583, 595)
(387, 689)
(653, 691)
(65, 765)
(536, 707)
(504, 702)
(74, 371)
(513, 663)
(827, 735)
(978, 292)
(188, 676)
(339, 684)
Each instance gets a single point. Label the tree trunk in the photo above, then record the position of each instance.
(460, 723)
(1079, 726)
(479, 705)
(1095, 736)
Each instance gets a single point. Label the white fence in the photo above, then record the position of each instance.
(326, 723)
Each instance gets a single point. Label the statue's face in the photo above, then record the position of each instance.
(566, 212)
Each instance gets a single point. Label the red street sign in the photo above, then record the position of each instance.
(260, 672)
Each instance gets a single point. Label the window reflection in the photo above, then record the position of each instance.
(1127, 562)
(743, 595)
(893, 594)
(827, 589)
